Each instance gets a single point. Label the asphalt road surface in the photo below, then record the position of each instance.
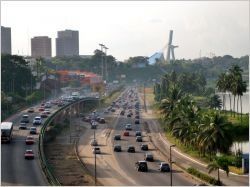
(118, 168)
(15, 170)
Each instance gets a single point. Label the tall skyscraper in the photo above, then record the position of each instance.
(5, 40)
(41, 47)
(67, 43)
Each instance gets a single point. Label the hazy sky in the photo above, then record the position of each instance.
(134, 28)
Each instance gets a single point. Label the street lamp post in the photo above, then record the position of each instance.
(102, 46)
(171, 165)
(95, 159)
(106, 68)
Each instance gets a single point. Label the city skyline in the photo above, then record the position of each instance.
(199, 27)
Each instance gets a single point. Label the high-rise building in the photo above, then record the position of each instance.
(5, 40)
(67, 43)
(41, 47)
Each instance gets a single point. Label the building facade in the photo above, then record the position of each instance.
(67, 43)
(41, 47)
(5, 40)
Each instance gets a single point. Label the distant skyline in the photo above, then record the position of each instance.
(133, 28)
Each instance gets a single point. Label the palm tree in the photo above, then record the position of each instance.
(213, 167)
(222, 87)
(215, 135)
(236, 74)
(215, 102)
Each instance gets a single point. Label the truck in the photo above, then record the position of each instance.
(6, 132)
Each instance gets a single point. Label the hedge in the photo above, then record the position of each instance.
(204, 177)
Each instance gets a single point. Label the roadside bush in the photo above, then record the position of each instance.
(204, 176)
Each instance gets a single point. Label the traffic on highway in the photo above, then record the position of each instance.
(19, 148)
(123, 152)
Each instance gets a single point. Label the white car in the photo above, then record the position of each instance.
(37, 120)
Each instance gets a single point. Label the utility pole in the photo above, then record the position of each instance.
(106, 65)
(102, 46)
(144, 91)
(95, 159)
(171, 173)
(70, 124)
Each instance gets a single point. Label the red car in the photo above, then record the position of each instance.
(29, 140)
(29, 154)
(126, 133)
(41, 109)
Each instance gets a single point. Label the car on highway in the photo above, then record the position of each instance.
(122, 112)
(112, 110)
(138, 133)
(25, 119)
(47, 105)
(96, 150)
(137, 117)
(47, 111)
(117, 137)
(141, 166)
(149, 157)
(129, 115)
(29, 154)
(37, 120)
(128, 127)
(102, 120)
(41, 109)
(33, 130)
(144, 147)
(23, 126)
(117, 148)
(31, 110)
(138, 138)
(94, 142)
(137, 121)
(29, 140)
(126, 133)
(164, 167)
(44, 114)
(131, 149)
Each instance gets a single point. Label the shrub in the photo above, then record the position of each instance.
(203, 176)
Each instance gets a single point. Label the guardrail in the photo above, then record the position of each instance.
(43, 161)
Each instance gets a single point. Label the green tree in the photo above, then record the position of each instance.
(215, 102)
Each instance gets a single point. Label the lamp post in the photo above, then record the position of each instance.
(95, 159)
(171, 165)
(106, 69)
(102, 46)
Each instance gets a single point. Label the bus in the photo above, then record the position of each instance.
(6, 131)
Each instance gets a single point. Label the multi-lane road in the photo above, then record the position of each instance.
(15, 169)
(118, 168)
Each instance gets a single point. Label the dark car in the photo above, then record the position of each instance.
(117, 137)
(137, 133)
(117, 148)
(129, 115)
(23, 126)
(164, 167)
(137, 117)
(122, 113)
(144, 147)
(138, 138)
(102, 120)
(112, 110)
(126, 133)
(33, 130)
(137, 121)
(131, 149)
(149, 157)
(141, 166)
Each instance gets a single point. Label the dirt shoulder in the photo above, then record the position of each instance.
(65, 165)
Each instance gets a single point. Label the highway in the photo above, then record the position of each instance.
(118, 168)
(15, 170)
